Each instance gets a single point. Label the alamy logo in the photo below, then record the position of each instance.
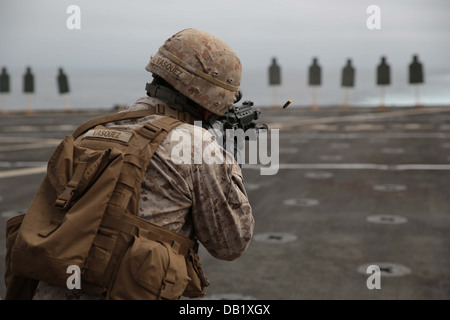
(73, 22)
(374, 20)
(74, 280)
(374, 281)
(254, 143)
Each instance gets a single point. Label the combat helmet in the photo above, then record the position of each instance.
(201, 67)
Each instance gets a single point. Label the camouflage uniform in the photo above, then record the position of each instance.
(207, 198)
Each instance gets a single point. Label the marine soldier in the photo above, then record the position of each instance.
(196, 76)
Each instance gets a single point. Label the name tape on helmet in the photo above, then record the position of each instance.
(196, 71)
(172, 68)
(122, 136)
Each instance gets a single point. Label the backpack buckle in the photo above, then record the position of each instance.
(150, 131)
(65, 197)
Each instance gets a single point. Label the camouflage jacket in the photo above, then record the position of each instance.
(204, 200)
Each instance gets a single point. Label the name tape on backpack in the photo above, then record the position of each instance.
(122, 136)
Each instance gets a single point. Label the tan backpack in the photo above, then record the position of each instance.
(84, 214)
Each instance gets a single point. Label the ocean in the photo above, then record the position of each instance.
(104, 88)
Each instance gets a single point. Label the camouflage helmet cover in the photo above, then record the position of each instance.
(200, 66)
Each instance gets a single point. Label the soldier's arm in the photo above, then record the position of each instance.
(221, 212)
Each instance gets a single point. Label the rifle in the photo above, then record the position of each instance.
(242, 117)
(237, 117)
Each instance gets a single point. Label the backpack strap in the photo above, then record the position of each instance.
(110, 118)
(130, 225)
(159, 109)
(157, 130)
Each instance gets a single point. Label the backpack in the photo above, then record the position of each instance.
(84, 215)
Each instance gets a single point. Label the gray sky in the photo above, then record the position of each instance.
(124, 34)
